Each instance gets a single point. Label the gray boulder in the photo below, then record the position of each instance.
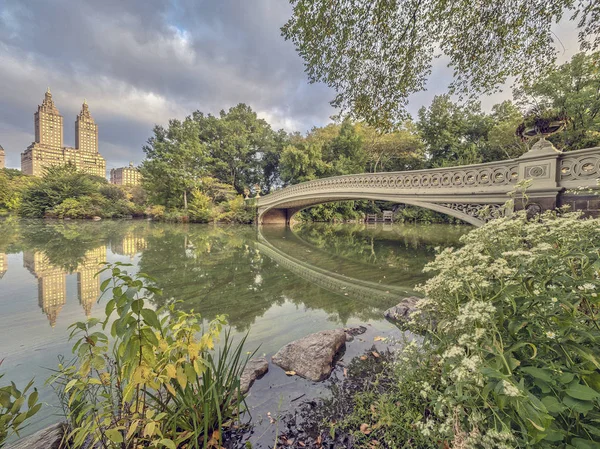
(401, 311)
(48, 438)
(312, 356)
(254, 369)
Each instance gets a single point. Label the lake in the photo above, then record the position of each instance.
(273, 283)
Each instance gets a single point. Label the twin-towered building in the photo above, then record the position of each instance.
(48, 149)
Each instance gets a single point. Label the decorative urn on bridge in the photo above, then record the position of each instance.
(542, 122)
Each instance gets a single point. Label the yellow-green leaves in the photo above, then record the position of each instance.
(181, 377)
(153, 388)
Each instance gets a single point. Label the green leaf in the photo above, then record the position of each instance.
(114, 435)
(577, 405)
(582, 392)
(151, 318)
(539, 373)
(580, 443)
(33, 397)
(105, 284)
(167, 443)
(552, 404)
(566, 378)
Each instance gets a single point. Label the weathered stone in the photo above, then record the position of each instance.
(48, 438)
(254, 369)
(312, 356)
(401, 311)
(352, 332)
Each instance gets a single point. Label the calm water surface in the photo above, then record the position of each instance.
(274, 283)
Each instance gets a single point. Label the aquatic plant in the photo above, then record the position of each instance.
(156, 380)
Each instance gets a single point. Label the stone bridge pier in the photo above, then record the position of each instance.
(472, 193)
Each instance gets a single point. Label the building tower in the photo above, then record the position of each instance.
(48, 149)
(86, 131)
(2, 158)
(48, 123)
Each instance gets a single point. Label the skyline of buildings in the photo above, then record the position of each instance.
(48, 150)
(48, 147)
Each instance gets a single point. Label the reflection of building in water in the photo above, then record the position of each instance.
(52, 284)
(129, 246)
(88, 284)
(3, 264)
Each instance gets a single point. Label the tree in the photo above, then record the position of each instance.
(237, 142)
(58, 184)
(503, 143)
(395, 151)
(301, 162)
(453, 134)
(375, 53)
(574, 90)
(175, 161)
(345, 152)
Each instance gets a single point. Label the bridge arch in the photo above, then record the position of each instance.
(284, 214)
(461, 192)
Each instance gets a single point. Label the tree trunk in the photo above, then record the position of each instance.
(185, 199)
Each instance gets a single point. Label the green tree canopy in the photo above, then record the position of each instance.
(453, 134)
(375, 53)
(574, 90)
(175, 161)
(242, 147)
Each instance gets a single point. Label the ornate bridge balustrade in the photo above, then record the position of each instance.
(463, 192)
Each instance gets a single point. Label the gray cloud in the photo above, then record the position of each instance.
(141, 62)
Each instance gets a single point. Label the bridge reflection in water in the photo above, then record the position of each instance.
(373, 294)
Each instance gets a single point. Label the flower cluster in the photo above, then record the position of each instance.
(515, 326)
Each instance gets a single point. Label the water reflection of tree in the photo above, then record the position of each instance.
(400, 245)
(64, 243)
(217, 270)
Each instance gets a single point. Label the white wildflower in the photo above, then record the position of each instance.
(510, 389)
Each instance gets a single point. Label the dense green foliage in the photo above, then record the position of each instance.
(572, 90)
(511, 352)
(16, 407)
(375, 54)
(155, 380)
(64, 192)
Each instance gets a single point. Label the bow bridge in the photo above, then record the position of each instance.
(463, 192)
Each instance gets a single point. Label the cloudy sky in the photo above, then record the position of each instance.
(141, 62)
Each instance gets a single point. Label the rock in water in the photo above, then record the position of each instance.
(254, 369)
(402, 310)
(48, 438)
(312, 356)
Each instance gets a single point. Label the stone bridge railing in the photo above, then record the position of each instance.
(459, 191)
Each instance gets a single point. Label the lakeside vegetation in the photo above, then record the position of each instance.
(201, 168)
(508, 353)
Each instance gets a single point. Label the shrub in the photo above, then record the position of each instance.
(517, 339)
(156, 212)
(158, 383)
(201, 207)
(237, 210)
(16, 407)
